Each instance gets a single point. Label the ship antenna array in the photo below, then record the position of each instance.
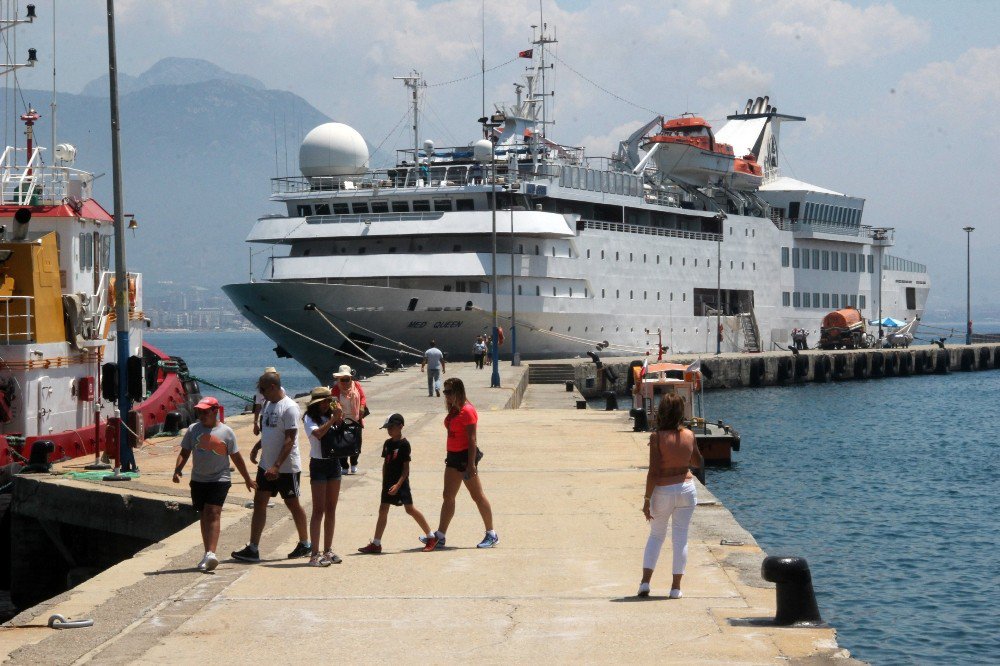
(9, 23)
(414, 82)
(540, 42)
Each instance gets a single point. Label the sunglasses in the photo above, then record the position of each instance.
(344, 379)
(447, 391)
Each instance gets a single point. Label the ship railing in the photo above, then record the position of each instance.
(822, 226)
(621, 227)
(34, 183)
(16, 313)
(369, 217)
(460, 175)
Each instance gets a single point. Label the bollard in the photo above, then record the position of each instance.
(796, 600)
(581, 404)
(610, 401)
(173, 422)
(570, 385)
(641, 420)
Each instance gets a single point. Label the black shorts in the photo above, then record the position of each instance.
(209, 492)
(460, 459)
(403, 497)
(322, 470)
(286, 485)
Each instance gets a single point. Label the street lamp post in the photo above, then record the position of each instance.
(482, 146)
(721, 217)
(515, 360)
(968, 283)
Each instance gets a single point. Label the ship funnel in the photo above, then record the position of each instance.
(22, 219)
(748, 106)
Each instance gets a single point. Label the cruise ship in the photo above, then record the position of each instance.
(686, 238)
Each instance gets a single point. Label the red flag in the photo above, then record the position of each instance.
(525, 54)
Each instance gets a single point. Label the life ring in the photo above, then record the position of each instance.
(500, 337)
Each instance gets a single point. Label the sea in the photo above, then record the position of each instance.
(889, 489)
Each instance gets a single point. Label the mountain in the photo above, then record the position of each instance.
(170, 71)
(197, 159)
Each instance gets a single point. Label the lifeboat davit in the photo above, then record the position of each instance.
(686, 151)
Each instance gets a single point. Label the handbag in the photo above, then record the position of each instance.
(365, 411)
(341, 440)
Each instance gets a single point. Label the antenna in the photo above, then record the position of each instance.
(53, 105)
(414, 81)
(483, 54)
(542, 40)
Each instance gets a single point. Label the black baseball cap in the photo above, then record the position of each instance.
(394, 419)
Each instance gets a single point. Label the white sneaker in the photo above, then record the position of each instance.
(643, 590)
(676, 594)
(211, 561)
(203, 565)
(354, 469)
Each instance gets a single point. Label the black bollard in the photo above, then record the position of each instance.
(570, 385)
(641, 420)
(796, 600)
(581, 404)
(610, 401)
(173, 422)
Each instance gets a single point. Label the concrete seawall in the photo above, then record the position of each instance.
(814, 365)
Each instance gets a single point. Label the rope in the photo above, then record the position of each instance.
(602, 88)
(242, 396)
(356, 345)
(413, 350)
(572, 338)
(321, 344)
(473, 75)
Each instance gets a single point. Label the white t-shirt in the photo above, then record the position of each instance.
(275, 419)
(315, 450)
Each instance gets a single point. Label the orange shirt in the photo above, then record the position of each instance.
(458, 438)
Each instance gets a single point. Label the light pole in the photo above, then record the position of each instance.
(721, 217)
(880, 235)
(968, 283)
(480, 150)
(515, 360)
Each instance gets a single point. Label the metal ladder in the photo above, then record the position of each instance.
(751, 335)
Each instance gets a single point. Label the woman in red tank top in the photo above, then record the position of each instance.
(461, 465)
(670, 490)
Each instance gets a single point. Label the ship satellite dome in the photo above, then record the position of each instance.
(333, 149)
(428, 147)
(482, 150)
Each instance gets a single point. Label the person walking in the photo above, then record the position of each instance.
(435, 367)
(258, 402)
(395, 483)
(212, 445)
(461, 466)
(479, 352)
(355, 407)
(670, 491)
(324, 474)
(279, 469)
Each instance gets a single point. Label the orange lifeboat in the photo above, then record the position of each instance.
(686, 151)
(747, 173)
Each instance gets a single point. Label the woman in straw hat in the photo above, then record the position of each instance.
(352, 398)
(324, 475)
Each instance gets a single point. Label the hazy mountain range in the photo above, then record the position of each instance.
(198, 150)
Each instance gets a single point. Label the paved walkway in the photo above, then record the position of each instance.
(566, 490)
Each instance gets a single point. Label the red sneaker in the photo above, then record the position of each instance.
(370, 549)
(430, 544)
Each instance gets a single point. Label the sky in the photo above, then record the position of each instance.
(901, 97)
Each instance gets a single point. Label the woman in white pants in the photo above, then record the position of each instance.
(670, 491)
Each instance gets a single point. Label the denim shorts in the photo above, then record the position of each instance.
(322, 470)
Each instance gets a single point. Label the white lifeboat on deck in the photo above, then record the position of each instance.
(686, 151)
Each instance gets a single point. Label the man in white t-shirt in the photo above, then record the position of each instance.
(258, 402)
(434, 362)
(279, 469)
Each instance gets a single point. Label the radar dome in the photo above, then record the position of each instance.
(333, 149)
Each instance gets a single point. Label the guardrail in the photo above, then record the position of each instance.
(648, 231)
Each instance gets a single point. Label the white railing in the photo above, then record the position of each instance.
(34, 183)
(16, 313)
(786, 224)
(649, 231)
(368, 217)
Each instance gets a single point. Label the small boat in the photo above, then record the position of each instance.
(716, 441)
(685, 150)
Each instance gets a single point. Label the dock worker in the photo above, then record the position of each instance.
(279, 469)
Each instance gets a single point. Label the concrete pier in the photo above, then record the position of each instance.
(566, 488)
(777, 368)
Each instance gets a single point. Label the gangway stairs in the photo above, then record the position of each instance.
(751, 334)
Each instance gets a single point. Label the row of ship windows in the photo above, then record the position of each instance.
(806, 299)
(396, 206)
(670, 260)
(586, 293)
(846, 262)
(831, 213)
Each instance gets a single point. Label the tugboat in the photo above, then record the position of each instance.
(716, 441)
(58, 372)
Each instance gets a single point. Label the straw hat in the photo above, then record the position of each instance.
(270, 368)
(319, 394)
(344, 371)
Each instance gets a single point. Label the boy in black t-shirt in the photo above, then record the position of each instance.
(395, 482)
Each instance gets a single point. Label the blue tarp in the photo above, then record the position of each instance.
(889, 322)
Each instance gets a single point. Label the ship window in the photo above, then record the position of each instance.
(421, 205)
(671, 262)
(696, 261)
(442, 204)
(786, 298)
(861, 301)
(617, 294)
(843, 300)
(815, 259)
(304, 210)
(684, 297)
(519, 290)
(753, 233)
(657, 295)
(362, 250)
(447, 287)
(806, 299)
(746, 232)
(835, 263)
(871, 263)
(644, 258)
(683, 261)
(835, 300)
(602, 254)
(322, 209)
(743, 265)
(392, 250)
(359, 207)
(538, 290)
(784, 257)
(400, 206)
(456, 248)
(86, 252)
(553, 291)
(826, 300)
(805, 258)
(631, 294)
(588, 254)
(465, 204)
(755, 265)
(305, 253)
(854, 300)
(708, 263)
(657, 259)
(602, 293)
(340, 208)
(731, 265)
(826, 260)
(730, 231)
(571, 291)
(520, 248)
(460, 286)
(843, 262)
(796, 299)
(553, 250)
(671, 296)
(536, 250)
(377, 207)
(630, 256)
(854, 263)
(616, 256)
(586, 294)
(815, 300)
(645, 295)
(795, 257)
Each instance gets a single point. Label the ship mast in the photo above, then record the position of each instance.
(414, 82)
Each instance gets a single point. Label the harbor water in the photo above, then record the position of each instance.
(887, 487)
